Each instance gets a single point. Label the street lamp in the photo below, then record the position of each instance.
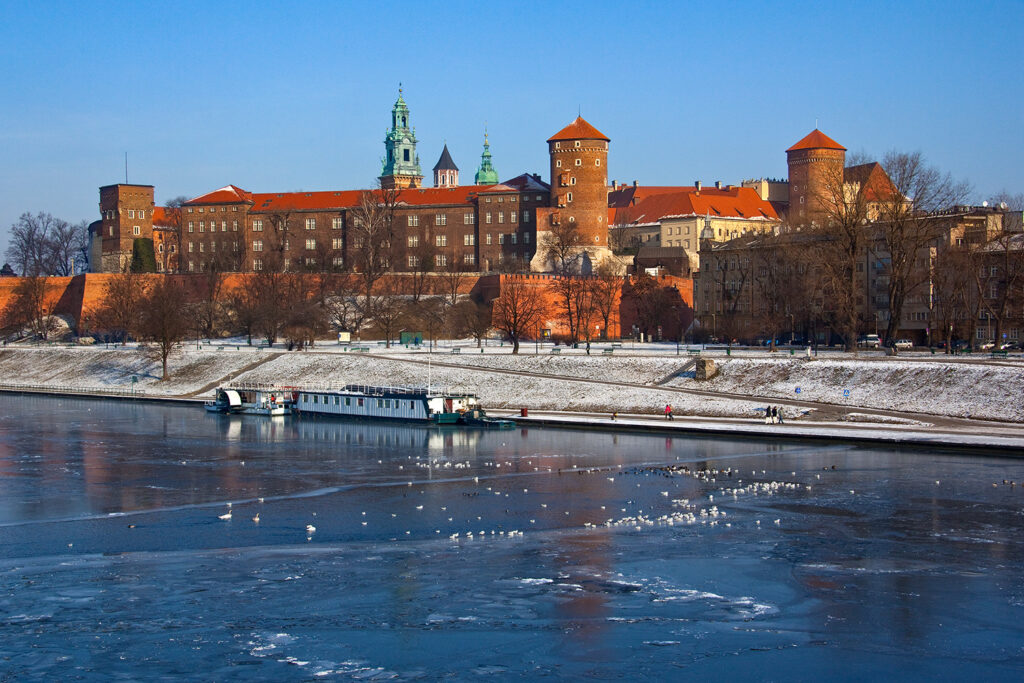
(792, 331)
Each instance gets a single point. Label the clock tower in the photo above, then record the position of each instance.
(401, 163)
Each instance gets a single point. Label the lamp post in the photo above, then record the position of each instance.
(792, 331)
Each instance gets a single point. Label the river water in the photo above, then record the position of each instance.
(592, 555)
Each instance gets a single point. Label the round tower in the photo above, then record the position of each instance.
(815, 174)
(579, 181)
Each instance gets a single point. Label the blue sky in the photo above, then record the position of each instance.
(297, 96)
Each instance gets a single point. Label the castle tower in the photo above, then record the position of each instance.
(486, 175)
(402, 164)
(126, 213)
(815, 164)
(446, 173)
(579, 180)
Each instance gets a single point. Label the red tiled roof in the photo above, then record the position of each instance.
(816, 140)
(734, 202)
(874, 181)
(332, 200)
(160, 218)
(629, 195)
(579, 130)
(229, 194)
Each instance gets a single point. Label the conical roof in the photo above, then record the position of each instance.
(445, 163)
(579, 130)
(816, 140)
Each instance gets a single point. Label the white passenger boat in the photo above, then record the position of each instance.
(410, 404)
(271, 401)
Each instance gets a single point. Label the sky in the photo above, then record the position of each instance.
(297, 96)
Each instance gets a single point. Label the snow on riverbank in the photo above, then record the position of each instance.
(975, 389)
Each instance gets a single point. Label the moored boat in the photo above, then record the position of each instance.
(252, 399)
(411, 404)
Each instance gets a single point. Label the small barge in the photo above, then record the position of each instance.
(252, 400)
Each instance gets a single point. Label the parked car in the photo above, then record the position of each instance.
(904, 344)
(869, 341)
(987, 346)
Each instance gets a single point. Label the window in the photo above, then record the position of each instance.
(501, 238)
(488, 216)
(558, 145)
(338, 262)
(111, 230)
(287, 264)
(311, 245)
(136, 230)
(526, 238)
(234, 246)
(310, 262)
(257, 245)
(572, 181)
(191, 266)
(515, 237)
(488, 238)
(414, 240)
(526, 216)
(468, 218)
(412, 220)
(579, 162)
(190, 209)
(558, 163)
(501, 216)
(441, 219)
(191, 247)
(336, 223)
(336, 244)
(202, 247)
(257, 264)
(202, 226)
(569, 197)
(257, 225)
(440, 260)
(131, 213)
(234, 226)
(287, 245)
(577, 144)
(234, 208)
(539, 198)
(469, 240)
(310, 224)
(469, 259)
(441, 240)
(597, 162)
(501, 199)
(200, 209)
(414, 261)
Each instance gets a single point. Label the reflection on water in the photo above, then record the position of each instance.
(451, 553)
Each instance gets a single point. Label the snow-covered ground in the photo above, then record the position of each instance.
(623, 381)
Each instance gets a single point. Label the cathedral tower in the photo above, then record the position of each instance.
(486, 175)
(815, 163)
(446, 173)
(402, 164)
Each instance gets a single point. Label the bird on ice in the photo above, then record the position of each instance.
(226, 515)
(310, 528)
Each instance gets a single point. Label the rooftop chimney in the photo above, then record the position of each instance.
(634, 184)
(615, 184)
(696, 184)
(718, 184)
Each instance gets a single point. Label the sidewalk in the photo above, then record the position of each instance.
(1008, 439)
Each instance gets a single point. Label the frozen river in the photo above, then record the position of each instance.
(513, 555)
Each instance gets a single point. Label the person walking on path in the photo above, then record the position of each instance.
(768, 415)
(781, 421)
(775, 415)
(668, 412)
(588, 347)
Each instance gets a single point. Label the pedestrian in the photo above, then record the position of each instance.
(588, 347)
(775, 415)
(668, 412)
(614, 415)
(780, 415)
(768, 415)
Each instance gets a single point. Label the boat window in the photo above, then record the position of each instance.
(348, 400)
(412, 405)
(380, 403)
(305, 398)
(337, 400)
(315, 398)
(360, 402)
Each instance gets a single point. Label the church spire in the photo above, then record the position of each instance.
(486, 175)
(402, 164)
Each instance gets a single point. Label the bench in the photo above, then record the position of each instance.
(999, 354)
(616, 345)
(607, 352)
(693, 352)
(457, 350)
(556, 351)
(363, 349)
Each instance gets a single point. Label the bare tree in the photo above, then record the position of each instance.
(29, 308)
(243, 309)
(45, 245)
(562, 247)
(347, 311)
(1014, 202)
(388, 308)
(519, 310)
(120, 310)
(472, 318)
(1000, 266)
(606, 295)
(909, 223)
(164, 320)
(373, 236)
